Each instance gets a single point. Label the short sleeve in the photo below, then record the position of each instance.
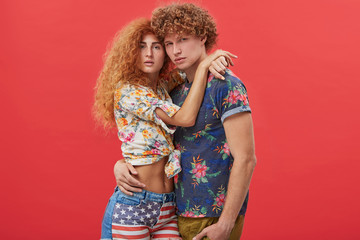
(232, 97)
(142, 102)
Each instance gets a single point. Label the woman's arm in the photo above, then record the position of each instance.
(187, 114)
(217, 68)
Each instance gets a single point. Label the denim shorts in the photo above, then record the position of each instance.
(146, 213)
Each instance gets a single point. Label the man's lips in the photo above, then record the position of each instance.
(179, 60)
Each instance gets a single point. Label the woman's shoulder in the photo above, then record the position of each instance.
(128, 87)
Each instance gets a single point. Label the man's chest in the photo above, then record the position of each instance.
(208, 119)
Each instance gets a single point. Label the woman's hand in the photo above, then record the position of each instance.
(217, 62)
(124, 180)
(218, 67)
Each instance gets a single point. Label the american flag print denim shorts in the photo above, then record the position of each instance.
(140, 216)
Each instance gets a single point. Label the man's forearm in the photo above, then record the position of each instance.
(238, 187)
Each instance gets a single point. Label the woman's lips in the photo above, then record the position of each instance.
(149, 63)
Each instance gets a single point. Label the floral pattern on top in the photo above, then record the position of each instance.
(206, 160)
(145, 138)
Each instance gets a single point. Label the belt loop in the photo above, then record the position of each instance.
(166, 198)
(145, 195)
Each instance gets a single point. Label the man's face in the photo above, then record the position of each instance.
(185, 50)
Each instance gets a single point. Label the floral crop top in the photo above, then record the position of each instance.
(145, 137)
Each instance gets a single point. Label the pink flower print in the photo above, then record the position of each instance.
(165, 108)
(199, 170)
(154, 102)
(220, 200)
(189, 214)
(122, 136)
(186, 88)
(155, 151)
(244, 99)
(226, 149)
(128, 138)
(233, 96)
(157, 144)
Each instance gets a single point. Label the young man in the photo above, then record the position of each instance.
(210, 174)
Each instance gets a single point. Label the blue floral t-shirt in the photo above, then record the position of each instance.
(206, 160)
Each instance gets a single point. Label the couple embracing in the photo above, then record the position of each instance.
(186, 132)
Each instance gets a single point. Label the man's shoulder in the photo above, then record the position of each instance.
(230, 81)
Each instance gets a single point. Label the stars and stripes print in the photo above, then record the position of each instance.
(141, 221)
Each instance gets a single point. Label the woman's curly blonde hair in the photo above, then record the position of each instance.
(121, 66)
(185, 18)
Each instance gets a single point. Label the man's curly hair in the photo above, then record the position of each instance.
(185, 18)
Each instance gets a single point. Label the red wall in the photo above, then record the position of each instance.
(298, 59)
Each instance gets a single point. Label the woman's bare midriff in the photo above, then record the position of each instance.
(153, 176)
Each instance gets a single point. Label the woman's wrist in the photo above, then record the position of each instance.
(204, 65)
(201, 72)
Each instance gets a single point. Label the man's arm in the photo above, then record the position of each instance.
(124, 178)
(240, 138)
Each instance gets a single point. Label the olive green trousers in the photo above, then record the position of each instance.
(190, 227)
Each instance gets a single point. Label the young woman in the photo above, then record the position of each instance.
(131, 92)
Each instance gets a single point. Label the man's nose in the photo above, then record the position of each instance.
(177, 49)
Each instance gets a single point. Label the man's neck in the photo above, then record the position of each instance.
(190, 72)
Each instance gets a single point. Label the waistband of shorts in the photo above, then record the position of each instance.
(151, 196)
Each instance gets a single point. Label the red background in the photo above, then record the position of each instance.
(298, 59)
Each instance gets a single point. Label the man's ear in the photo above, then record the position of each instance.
(203, 39)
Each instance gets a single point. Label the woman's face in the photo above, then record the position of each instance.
(152, 54)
